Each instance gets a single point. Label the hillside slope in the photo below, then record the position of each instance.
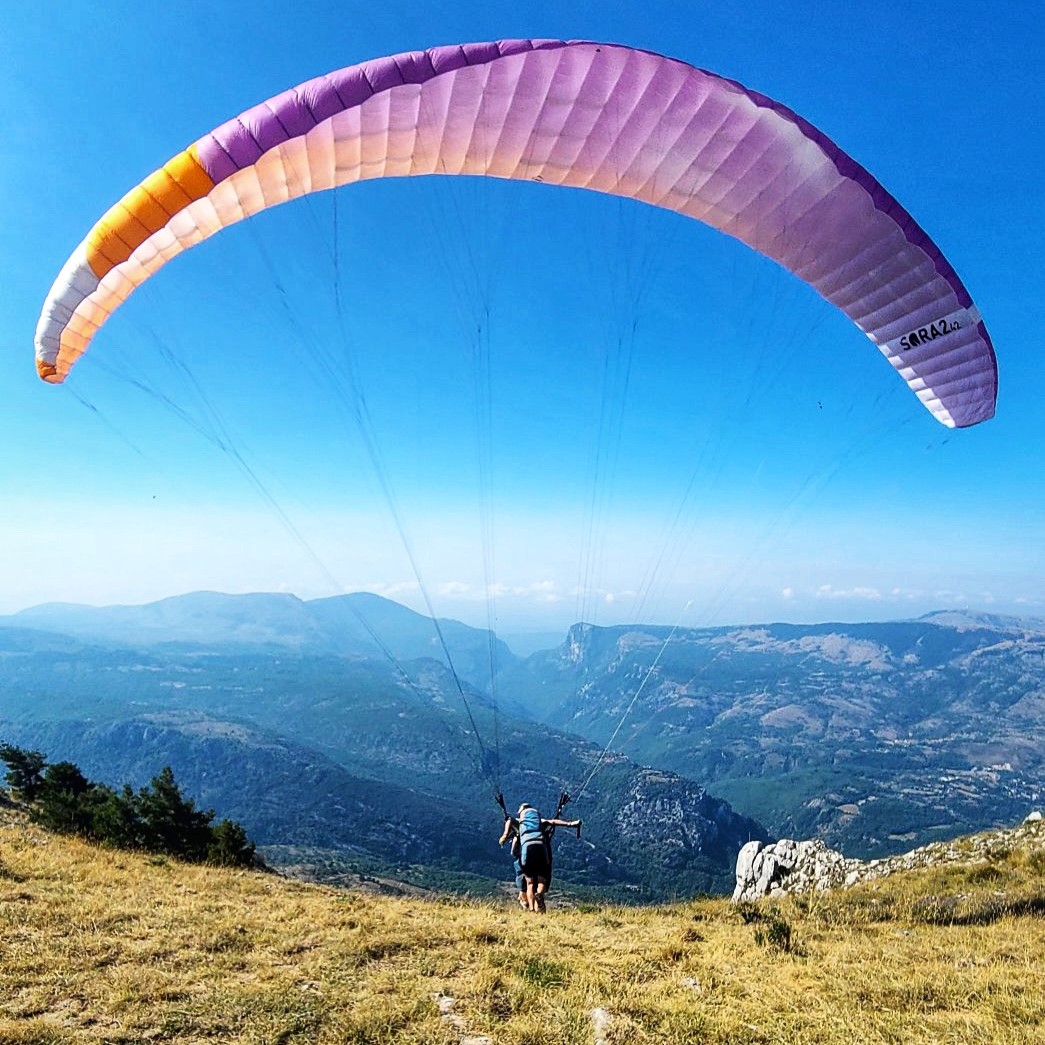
(342, 760)
(104, 947)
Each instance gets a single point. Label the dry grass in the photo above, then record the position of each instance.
(100, 946)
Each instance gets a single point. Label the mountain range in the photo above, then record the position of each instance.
(360, 624)
(336, 752)
(337, 731)
(870, 736)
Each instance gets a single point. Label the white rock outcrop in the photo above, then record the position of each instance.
(787, 866)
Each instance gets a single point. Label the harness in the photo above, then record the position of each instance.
(531, 836)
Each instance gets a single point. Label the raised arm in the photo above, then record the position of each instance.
(510, 827)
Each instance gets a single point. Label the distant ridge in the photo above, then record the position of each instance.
(344, 625)
(967, 620)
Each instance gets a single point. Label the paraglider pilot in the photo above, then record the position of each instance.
(531, 849)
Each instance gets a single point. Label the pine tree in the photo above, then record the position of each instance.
(24, 770)
(171, 823)
(115, 820)
(62, 800)
(230, 846)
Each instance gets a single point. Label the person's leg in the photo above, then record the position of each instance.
(541, 876)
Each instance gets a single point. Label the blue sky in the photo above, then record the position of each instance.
(671, 427)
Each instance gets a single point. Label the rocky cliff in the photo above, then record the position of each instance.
(790, 867)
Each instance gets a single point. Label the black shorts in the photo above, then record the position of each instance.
(536, 864)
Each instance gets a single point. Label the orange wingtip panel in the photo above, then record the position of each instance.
(48, 372)
(145, 210)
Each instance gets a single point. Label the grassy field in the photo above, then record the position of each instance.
(100, 946)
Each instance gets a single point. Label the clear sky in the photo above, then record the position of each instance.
(579, 407)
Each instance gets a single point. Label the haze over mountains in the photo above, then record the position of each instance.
(333, 728)
(336, 749)
(358, 624)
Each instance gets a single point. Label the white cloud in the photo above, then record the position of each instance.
(544, 591)
(1026, 600)
(451, 588)
(537, 587)
(829, 591)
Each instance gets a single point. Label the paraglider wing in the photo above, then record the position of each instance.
(596, 116)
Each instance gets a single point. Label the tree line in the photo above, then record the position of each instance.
(156, 818)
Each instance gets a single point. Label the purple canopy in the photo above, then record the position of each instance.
(597, 116)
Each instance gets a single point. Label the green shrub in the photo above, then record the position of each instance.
(774, 935)
(543, 973)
